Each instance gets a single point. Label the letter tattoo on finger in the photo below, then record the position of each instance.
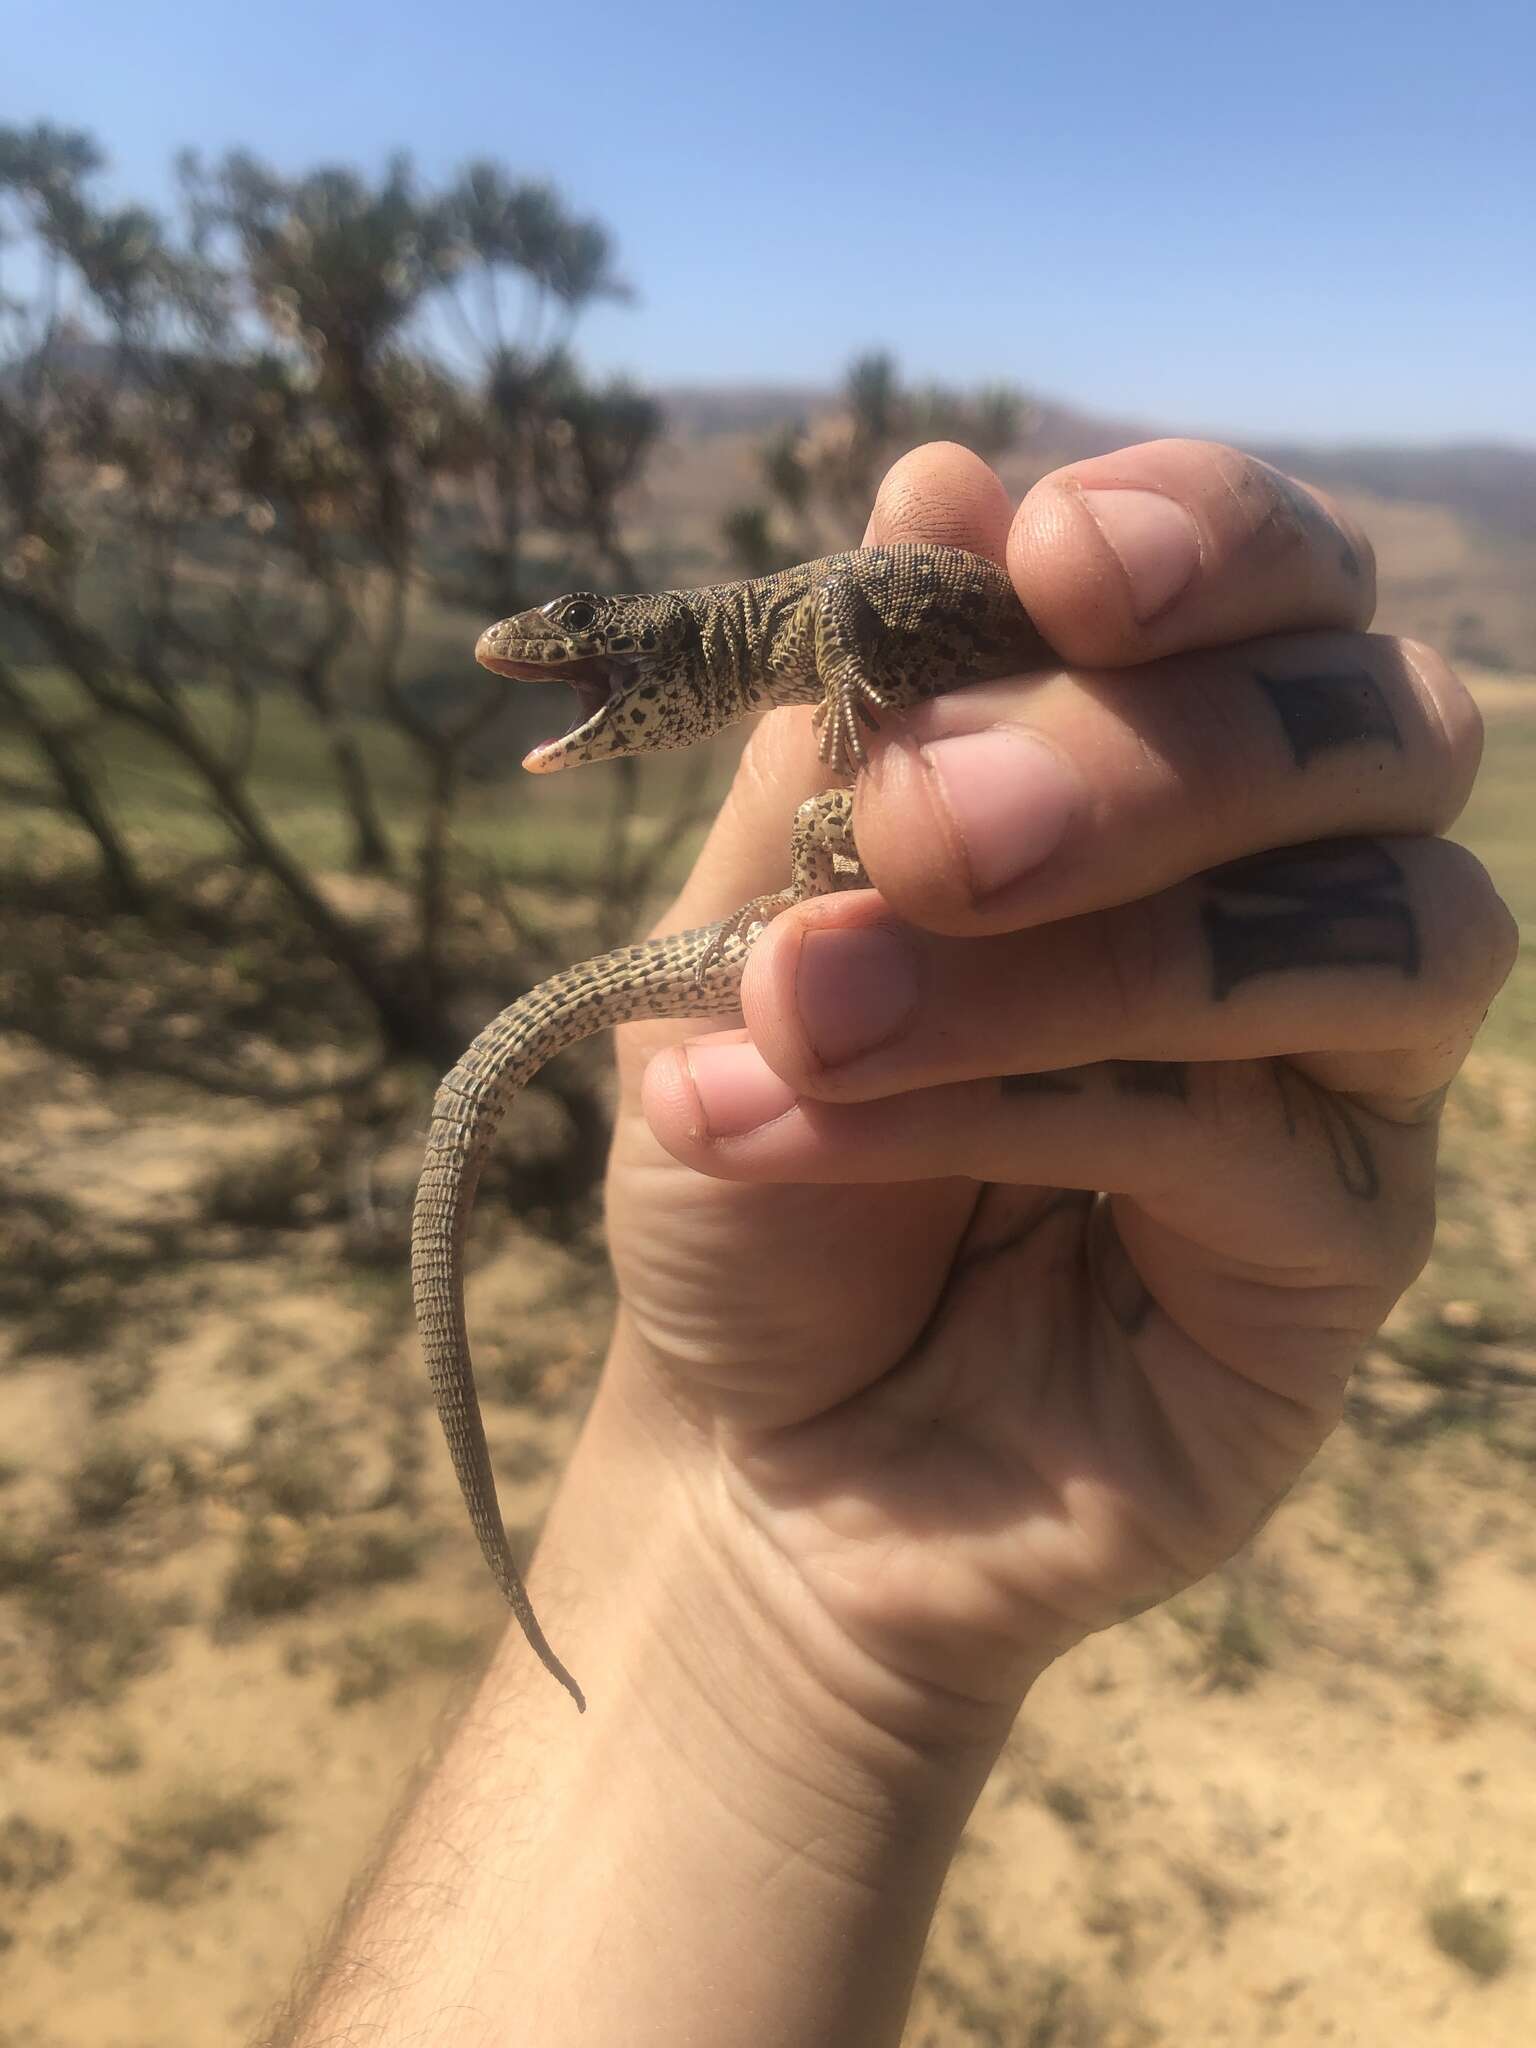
(1336, 903)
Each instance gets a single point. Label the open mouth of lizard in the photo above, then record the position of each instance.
(596, 682)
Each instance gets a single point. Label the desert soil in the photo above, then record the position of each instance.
(236, 1596)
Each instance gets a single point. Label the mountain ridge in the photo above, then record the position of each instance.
(1490, 482)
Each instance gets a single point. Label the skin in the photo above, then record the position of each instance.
(896, 1410)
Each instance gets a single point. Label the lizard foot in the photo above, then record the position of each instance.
(849, 703)
(743, 924)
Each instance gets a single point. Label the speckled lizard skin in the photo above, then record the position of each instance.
(856, 634)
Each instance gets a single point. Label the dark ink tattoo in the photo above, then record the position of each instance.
(1130, 1077)
(1039, 1084)
(1311, 520)
(1342, 1125)
(1321, 711)
(1152, 1077)
(1337, 903)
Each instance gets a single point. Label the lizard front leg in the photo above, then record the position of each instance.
(823, 860)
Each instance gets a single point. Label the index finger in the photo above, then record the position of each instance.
(1161, 548)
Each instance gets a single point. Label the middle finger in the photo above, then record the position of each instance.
(1020, 802)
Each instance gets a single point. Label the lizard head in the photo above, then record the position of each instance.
(617, 654)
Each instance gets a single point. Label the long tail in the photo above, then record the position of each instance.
(693, 974)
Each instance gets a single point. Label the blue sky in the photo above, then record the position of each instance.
(1264, 217)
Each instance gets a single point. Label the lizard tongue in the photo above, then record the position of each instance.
(590, 679)
(594, 693)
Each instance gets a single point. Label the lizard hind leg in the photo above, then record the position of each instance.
(823, 860)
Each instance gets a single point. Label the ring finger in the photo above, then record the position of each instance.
(1374, 958)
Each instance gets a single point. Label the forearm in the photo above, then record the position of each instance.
(704, 1855)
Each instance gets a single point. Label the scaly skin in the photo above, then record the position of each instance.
(858, 634)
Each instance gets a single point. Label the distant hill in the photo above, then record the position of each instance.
(1454, 526)
(1491, 482)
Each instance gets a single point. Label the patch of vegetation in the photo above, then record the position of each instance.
(27, 1560)
(107, 1481)
(1241, 1646)
(369, 1662)
(1236, 1643)
(284, 1189)
(1472, 1932)
(32, 1857)
(79, 1315)
(1111, 1916)
(1462, 1691)
(115, 1756)
(101, 1635)
(1376, 1503)
(170, 1847)
(1217, 1896)
(283, 1567)
(1067, 1803)
(121, 1380)
(294, 1476)
(1007, 2007)
(516, 1372)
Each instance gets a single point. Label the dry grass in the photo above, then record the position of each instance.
(1210, 1789)
(1472, 1932)
(170, 1848)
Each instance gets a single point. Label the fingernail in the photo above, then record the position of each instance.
(854, 990)
(1010, 798)
(1155, 540)
(735, 1089)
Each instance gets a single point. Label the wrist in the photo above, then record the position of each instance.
(656, 1583)
(752, 1863)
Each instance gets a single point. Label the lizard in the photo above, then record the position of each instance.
(857, 634)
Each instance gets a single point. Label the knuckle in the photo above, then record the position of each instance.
(1210, 737)
(1134, 945)
(1453, 723)
(1478, 937)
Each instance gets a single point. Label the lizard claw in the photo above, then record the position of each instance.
(847, 705)
(743, 924)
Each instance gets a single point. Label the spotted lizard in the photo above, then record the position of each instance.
(857, 634)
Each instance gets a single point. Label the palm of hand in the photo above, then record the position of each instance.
(930, 1408)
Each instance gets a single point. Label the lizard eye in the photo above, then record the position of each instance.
(579, 616)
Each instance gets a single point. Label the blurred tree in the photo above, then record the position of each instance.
(820, 476)
(259, 450)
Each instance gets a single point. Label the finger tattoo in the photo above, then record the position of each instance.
(1340, 709)
(1152, 1077)
(1293, 503)
(1337, 903)
(1168, 1078)
(1304, 1100)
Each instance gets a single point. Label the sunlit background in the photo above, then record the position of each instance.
(329, 333)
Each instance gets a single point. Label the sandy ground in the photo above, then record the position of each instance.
(1271, 1813)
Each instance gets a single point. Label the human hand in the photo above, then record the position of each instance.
(958, 1368)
